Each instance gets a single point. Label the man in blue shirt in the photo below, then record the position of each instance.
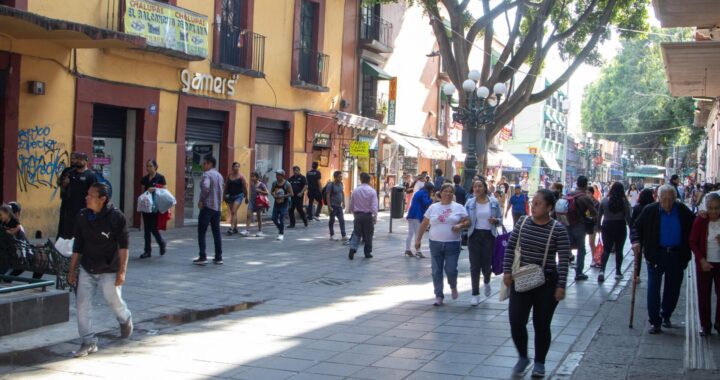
(518, 204)
(460, 193)
(662, 234)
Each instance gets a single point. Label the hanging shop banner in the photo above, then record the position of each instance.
(359, 149)
(392, 102)
(167, 26)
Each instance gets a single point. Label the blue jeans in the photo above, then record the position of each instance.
(577, 234)
(88, 285)
(337, 212)
(671, 266)
(212, 218)
(444, 255)
(278, 216)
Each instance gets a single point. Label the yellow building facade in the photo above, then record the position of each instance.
(127, 81)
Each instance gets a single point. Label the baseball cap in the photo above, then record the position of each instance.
(518, 187)
(280, 171)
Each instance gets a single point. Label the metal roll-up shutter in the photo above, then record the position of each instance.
(109, 122)
(205, 125)
(270, 132)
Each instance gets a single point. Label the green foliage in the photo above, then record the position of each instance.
(632, 96)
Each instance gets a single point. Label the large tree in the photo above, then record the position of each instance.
(631, 103)
(535, 27)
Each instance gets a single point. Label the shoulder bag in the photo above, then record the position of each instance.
(530, 276)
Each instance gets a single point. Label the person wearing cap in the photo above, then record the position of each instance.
(212, 184)
(282, 192)
(314, 190)
(518, 204)
(74, 186)
(299, 186)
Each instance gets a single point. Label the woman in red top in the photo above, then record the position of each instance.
(705, 244)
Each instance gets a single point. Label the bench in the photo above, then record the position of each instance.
(20, 255)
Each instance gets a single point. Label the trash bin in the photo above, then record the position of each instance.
(397, 202)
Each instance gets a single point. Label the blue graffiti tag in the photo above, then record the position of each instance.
(40, 159)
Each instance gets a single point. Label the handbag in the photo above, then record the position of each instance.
(531, 276)
(597, 254)
(261, 201)
(498, 258)
(504, 290)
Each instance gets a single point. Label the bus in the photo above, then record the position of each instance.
(647, 176)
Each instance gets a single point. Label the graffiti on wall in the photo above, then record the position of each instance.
(41, 159)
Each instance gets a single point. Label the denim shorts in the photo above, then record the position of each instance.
(235, 198)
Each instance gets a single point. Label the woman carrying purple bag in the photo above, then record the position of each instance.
(485, 216)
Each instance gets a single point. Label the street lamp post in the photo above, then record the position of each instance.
(477, 112)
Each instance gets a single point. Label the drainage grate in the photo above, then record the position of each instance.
(327, 281)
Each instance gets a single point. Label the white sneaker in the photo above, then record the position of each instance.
(488, 290)
(334, 238)
(280, 237)
(475, 301)
(619, 276)
(244, 233)
(259, 234)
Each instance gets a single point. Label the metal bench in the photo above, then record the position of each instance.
(20, 255)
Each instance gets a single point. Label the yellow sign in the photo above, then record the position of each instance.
(166, 26)
(359, 149)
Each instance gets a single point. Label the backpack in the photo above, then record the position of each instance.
(325, 190)
(566, 210)
(284, 187)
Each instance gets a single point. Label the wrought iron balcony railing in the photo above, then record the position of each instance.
(312, 67)
(243, 49)
(374, 28)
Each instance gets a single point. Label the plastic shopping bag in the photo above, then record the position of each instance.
(499, 253)
(65, 246)
(598, 252)
(164, 200)
(145, 202)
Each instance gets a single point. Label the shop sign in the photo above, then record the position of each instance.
(206, 83)
(101, 160)
(321, 140)
(533, 150)
(166, 26)
(392, 101)
(359, 149)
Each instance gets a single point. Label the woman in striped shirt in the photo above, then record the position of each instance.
(534, 234)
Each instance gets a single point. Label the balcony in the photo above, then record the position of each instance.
(311, 70)
(241, 51)
(374, 108)
(376, 34)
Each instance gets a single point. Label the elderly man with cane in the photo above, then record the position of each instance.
(662, 234)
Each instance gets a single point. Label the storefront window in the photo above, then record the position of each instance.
(195, 153)
(268, 159)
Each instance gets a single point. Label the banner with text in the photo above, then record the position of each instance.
(167, 26)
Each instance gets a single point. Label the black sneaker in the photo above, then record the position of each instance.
(146, 255)
(217, 261)
(126, 329)
(351, 254)
(368, 256)
(292, 226)
(163, 248)
(654, 330)
(581, 277)
(200, 261)
(667, 323)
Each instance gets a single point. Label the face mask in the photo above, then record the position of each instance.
(79, 165)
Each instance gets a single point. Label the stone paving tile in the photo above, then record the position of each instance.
(261, 373)
(429, 344)
(460, 369)
(349, 337)
(354, 358)
(375, 373)
(330, 345)
(420, 375)
(501, 361)
(372, 349)
(492, 372)
(335, 369)
(308, 354)
(389, 341)
(461, 357)
(416, 353)
(478, 348)
(282, 363)
(314, 376)
(399, 363)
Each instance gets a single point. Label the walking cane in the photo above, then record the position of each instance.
(635, 276)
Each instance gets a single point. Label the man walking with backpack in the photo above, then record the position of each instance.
(282, 192)
(579, 207)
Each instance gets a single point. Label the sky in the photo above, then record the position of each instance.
(583, 76)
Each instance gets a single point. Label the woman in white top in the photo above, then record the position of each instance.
(447, 219)
(633, 194)
(485, 216)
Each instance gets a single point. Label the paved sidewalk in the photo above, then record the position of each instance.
(320, 316)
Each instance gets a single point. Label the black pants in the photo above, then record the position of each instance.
(151, 228)
(297, 204)
(314, 196)
(363, 228)
(480, 245)
(542, 302)
(614, 233)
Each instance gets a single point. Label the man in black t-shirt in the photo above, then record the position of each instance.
(75, 185)
(299, 186)
(314, 193)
